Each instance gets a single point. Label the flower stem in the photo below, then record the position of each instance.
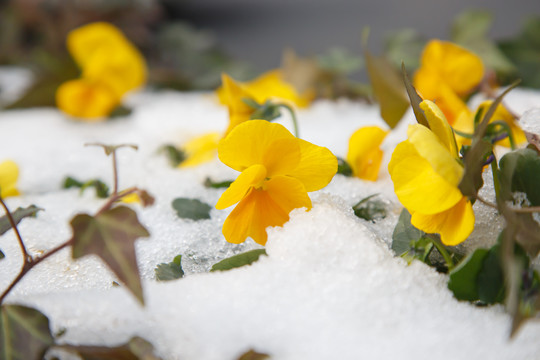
(26, 256)
(293, 117)
(442, 250)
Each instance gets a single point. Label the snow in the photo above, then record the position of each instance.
(329, 287)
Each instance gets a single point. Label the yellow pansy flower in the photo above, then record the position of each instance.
(200, 149)
(426, 173)
(446, 75)
(9, 173)
(465, 123)
(364, 155)
(111, 66)
(277, 171)
(233, 95)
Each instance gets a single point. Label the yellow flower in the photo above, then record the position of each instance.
(364, 155)
(200, 149)
(465, 123)
(111, 66)
(277, 171)
(446, 75)
(9, 172)
(232, 95)
(426, 174)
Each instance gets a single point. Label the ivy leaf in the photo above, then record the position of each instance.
(170, 271)
(463, 278)
(470, 29)
(209, 183)
(370, 208)
(17, 215)
(253, 355)
(414, 98)
(135, 349)
(102, 190)
(405, 233)
(24, 333)
(387, 88)
(191, 209)
(239, 260)
(111, 236)
(174, 155)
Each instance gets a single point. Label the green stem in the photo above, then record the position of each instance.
(442, 250)
(293, 117)
(496, 183)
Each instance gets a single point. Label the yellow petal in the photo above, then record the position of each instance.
(461, 69)
(271, 85)
(364, 155)
(464, 123)
(200, 149)
(86, 99)
(439, 126)
(430, 148)
(417, 185)
(85, 40)
(502, 114)
(260, 209)
(233, 95)
(454, 225)
(251, 177)
(317, 166)
(248, 143)
(9, 173)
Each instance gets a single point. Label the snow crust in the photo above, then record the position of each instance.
(329, 288)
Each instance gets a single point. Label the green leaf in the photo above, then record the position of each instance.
(174, 155)
(209, 183)
(344, 168)
(490, 281)
(470, 30)
(414, 98)
(239, 260)
(405, 233)
(102, 190)
(520, 171)
(370, 208)
(17, 216)
(2, 255)
(339, 60)
(120, 111)
(111, 235)
(170, 271)
(24, 333)
(191, 209)
(463, 278)
(267, 111)
(253, 355)
(387, 88)
(404, 46)
(135, 349)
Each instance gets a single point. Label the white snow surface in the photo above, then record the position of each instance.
(330, 287)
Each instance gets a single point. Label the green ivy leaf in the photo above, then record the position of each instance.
(387, 88)
(239, 260)
(111, 236)
(463, 278)
(191, 209)
(102, 190)
(170, 271)
(405, 233)
(17, 215)
(253, 355)
(174, 155)
(24, 333)
(135, 349)
(470, 30)
(209, 183)
(370, 208)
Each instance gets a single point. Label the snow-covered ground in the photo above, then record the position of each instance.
(329, 288)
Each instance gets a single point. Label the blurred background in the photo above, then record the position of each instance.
(189, 43)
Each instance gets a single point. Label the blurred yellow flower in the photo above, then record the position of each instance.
(364, 155)
(111, 66)
(9, 173)
(277, 171)
(426, 173)
(465, 123)
(269, 86)
(200, 149)
(446, 75)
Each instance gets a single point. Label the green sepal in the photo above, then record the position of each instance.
(344, 168)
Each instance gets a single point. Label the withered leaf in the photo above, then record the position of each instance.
(253, 355)
(111, 236)
(24, 333)
(135, 349)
